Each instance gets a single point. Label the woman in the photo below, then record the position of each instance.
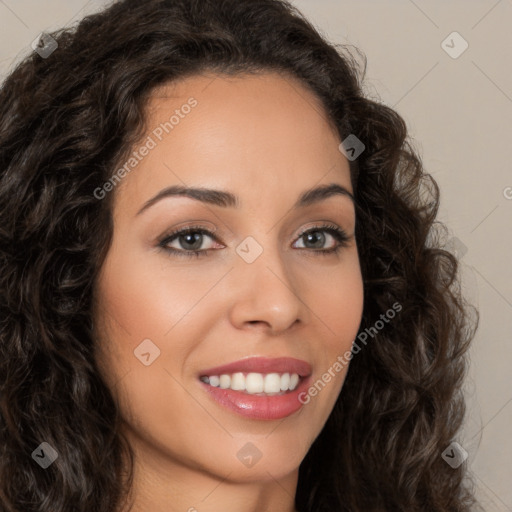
(223, 283)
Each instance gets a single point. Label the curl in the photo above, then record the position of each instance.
(66, 122)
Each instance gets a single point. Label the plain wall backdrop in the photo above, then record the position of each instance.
(454, 91)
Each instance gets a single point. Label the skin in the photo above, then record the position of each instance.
(266, 139)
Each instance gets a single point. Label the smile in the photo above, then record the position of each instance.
(255, 383)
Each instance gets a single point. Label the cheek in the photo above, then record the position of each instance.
(140, 301)
(148, 300)
(336, 299)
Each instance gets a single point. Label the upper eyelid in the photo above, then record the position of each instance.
(206, 231)
(191, 229)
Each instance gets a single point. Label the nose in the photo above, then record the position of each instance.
(265, 294)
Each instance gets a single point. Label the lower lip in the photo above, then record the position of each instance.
(259, 407)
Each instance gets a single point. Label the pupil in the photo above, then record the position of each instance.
(193, 238)
(314, 237)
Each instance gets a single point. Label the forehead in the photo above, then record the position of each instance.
(236, 132)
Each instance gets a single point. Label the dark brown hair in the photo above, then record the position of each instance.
(66, 121)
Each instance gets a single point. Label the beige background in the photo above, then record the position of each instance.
(459, 113)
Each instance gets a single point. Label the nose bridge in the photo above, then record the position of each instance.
(266, 286)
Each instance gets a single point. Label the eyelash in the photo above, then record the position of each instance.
(338, 234)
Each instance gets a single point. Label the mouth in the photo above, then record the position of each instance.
(257, 387)
(259, 384)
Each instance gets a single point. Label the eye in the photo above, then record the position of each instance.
(189, 241)
(316, 238)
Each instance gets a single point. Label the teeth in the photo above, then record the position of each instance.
(224, 381)
(215, 381)
(272, 383)
(285, 381)
(238, 382)
(255, 383)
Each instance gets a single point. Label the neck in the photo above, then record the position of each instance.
(161, 485)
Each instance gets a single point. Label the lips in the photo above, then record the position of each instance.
(262, 365)
(269, 405)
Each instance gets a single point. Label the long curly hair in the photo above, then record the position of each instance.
(67, 121)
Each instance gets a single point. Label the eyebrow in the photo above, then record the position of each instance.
(227, 199)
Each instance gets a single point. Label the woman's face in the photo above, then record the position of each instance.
(257, 289)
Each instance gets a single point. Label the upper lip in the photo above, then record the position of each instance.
(262, 365)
